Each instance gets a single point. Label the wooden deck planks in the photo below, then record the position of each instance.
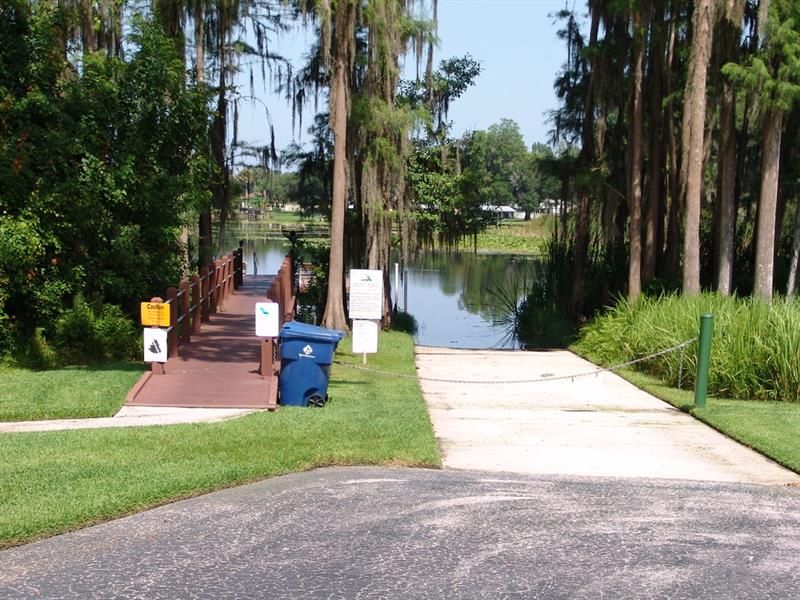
(219, 368)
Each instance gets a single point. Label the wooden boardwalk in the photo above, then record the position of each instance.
(219, 368)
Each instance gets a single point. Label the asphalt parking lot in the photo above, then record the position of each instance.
(391, 533)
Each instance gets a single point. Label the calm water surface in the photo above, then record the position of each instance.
(457, 298)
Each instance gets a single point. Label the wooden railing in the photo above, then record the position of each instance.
(197, 298)
(282, 291)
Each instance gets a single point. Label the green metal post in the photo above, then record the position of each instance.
(703, 359)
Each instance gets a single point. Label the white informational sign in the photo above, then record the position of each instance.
(365, 337)
(267, 322)
(366, 294)
(155, 345)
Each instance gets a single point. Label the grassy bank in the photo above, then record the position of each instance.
(70, 393)
(755, 348)
(57, 481)
(516, 237)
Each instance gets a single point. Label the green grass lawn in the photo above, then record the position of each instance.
(771, 428)
(75, 392)
(57, 481)
(515, 237)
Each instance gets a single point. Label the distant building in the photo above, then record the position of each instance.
(548, 206)
(503, 212)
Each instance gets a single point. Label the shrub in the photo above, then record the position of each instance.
(405, 322)
(35, 352)
(754, 353)
(311, 302)
(84, 334)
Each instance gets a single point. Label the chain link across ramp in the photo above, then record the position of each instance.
(681, 347)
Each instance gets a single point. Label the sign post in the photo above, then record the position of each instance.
(365, 338)
(366, 309)
(267, 326)
(155, 315)
(267, 322)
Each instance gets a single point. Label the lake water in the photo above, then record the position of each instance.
(459, 299)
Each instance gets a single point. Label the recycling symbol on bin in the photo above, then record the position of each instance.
(308, 349)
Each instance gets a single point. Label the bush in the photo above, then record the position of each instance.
(540, 325)
(35, 352)
(404, 322)
(84, 334)
(311, 301)
(754, 353)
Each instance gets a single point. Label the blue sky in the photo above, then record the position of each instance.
(514, 40)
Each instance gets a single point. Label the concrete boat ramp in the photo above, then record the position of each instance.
(599, 425)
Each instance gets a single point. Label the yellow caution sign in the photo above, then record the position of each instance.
(155, 313)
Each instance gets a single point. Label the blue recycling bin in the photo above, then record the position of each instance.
(306, 357)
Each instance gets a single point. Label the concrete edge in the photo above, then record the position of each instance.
(137, 387)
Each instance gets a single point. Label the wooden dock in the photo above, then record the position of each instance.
(219, 368)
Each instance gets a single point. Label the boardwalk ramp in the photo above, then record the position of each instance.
(220, 367)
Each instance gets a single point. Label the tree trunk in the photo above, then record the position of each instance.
(635, 180)
(791, 286)
(671, 256)
(200, 41)
(205, 242)
(581, 246)
(219, 130)
(730, 29)
(334, 316)
(692, 141)
(88, 38)
(655, 177)
(767, 203)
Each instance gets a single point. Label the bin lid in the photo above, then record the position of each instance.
(296, 330)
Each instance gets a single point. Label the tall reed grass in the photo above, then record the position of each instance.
(755, 352)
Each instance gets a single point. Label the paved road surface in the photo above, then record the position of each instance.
(379, 533)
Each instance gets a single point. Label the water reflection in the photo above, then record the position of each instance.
(460, 300)
(261, 257)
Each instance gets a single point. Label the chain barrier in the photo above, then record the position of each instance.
(678, 347)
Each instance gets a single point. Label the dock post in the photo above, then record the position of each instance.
(196, 302)
(186, 325)
(213, 271)
(172, 334)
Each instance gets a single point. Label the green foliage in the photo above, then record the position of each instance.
(404, 322)
(774, 72)
(311, 301)
(87, 335)
(35, 352)
(494, 161)
(516, 237)
(314, 178)
(266, 189)
(754, 350)
(441, 210)
(98, 167)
